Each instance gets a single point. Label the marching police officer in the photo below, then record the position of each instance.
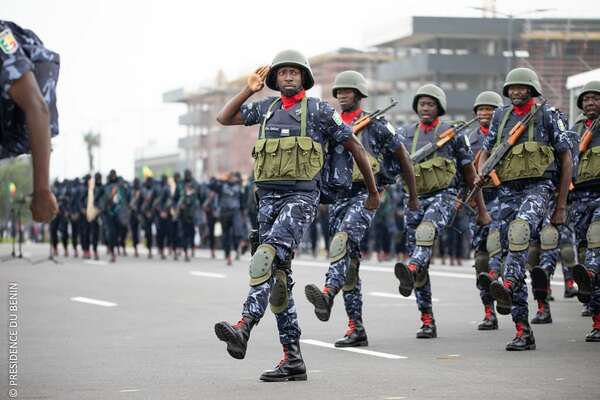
(349, 219)
(28, 76)
(288, 161)
(585, 209)
(438, 179)
(526, 190)
(485, 105)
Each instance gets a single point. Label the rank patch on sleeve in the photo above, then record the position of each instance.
(561, 125)
(336, 117)
(8, 43)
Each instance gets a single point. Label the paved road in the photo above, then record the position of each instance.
(143, 329)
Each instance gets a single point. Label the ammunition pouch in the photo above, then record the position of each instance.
(589, 165)
(434, 174)
(526, 160)
(297, 158)
(375, 164)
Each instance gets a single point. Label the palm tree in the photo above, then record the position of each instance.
(91, 140)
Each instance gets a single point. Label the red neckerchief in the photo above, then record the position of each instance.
(484, 130)
(426, 128)
(589, 122)
(289, 101)
(525, 108)
(349, 116)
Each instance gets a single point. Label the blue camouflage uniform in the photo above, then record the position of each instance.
(524, 201)
(22, 51)
(480, 233)
(287, 208)
(436, 207)
(585, 211)
(347, 214)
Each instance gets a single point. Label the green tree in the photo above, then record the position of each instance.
(17, 171)
(91, 140)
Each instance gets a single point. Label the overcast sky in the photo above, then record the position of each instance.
(119, 57)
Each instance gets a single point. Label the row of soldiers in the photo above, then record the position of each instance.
(168, 212)
(521, 167)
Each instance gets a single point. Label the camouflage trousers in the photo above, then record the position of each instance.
(480, 235)
(549, 258)
(350, 216)
(283, 217)
(585, 209)
(437, 209)
(528, 201)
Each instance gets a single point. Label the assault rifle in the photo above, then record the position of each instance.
(367, 119)
(488, 170)
(586, 138)
(444, 138)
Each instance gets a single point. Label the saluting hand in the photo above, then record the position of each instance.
(256, 80)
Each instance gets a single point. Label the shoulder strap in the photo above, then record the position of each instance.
(303, 115)
(261, 134)
(418, 132)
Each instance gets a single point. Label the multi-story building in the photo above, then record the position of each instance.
(468, 55)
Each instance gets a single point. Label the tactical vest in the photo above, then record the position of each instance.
(589, 162)
(437, 172)
(284, 154)
(374, 161)
(530, 157)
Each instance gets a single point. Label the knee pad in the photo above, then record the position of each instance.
(261, 264)
(567, 254)
(351, 275)
(533, 258)
(482, 262)
(581, 253)
(422, 277)
(278, 301)
(338, 246)
(492, 244)
(549, 237)
(425, 234)
(518, 235)
(593, 235)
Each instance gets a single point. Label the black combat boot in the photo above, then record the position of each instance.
(406, 275)
(322, 300)
(502, 293)
(428, 329)
(539, 283)
(490, 321)
(570, 290)
(355, 336)
(586, 311)
(524, 339)
(584, 279)
(594, 335)
(485, 279)
(236, 336)
(290, 368)
(543, 315)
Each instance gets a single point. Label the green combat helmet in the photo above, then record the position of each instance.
(350, 80)
(523, 76)
(433, 91)
(488, 98)
(290, 58)
(590, 87)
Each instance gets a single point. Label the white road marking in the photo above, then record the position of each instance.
(372, 268)
(396, 296)
(454, 355)
(129, 390)
(208, 274)
(95, 262)
(95, 302)
(395, 398)
(352, 349)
